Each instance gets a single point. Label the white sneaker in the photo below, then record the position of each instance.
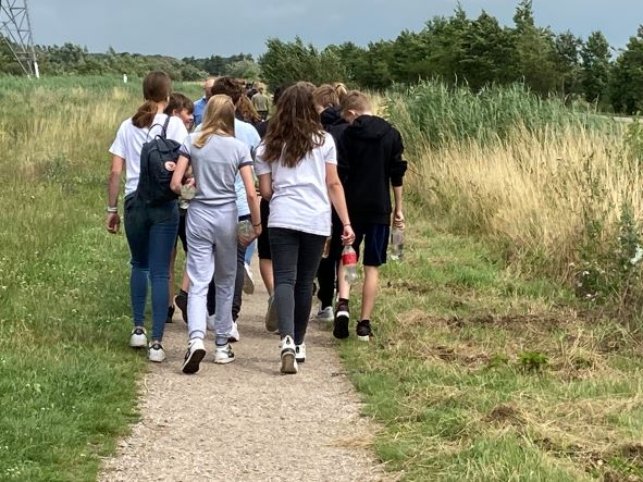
(210, 323)
(193, 357)
(248, 281)
(300, 353)
(272, 320)
(223, 354)
(288, 356)
(234, 334)
(156, 353)
(138, 338)
(325, 315)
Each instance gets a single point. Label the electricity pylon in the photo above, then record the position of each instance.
(15, 28)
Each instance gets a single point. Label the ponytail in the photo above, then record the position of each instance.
(145, 114)
(157, 87)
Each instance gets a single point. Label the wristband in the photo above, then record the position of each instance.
(112, 209)
(347, 224)
(256, 225)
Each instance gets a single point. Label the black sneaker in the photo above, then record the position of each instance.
(181, 301)
(170, 314)
(364, 332)
(340, 325)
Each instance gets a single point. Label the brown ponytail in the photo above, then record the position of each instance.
(157, 87)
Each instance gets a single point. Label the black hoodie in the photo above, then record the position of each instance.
(369, 163)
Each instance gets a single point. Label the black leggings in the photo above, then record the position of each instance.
(295, 259)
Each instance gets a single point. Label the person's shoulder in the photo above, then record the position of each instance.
(126, 125)
(244, 126)
(328, 137)
(246, 132)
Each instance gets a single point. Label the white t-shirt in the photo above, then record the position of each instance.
(129, 143)
(300, 197)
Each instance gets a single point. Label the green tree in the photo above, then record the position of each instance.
(568, 47)
(535, 51)
(627, 81)
(243, 69)
(596, 68)
(489, 54)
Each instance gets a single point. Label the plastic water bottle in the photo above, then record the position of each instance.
(397, 244)
(188, 191)
(349, 260)
(245, 232)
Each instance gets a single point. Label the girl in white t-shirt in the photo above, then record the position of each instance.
(150, 231)
(211, 225)
(297, 169)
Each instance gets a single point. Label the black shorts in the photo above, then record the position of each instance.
(181, 234)
(375, 237)
(263, 243)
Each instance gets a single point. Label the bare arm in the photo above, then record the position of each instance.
(113, 221)
(179, 173)
(398, 213)
(265, 186)
(251, 196)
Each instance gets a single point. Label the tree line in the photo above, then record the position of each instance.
(71, 59)
(456, 49)
(475, 52)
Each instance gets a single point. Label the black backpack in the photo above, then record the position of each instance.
(158, 161)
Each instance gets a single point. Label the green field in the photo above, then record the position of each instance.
(67, 377)
(486, 366)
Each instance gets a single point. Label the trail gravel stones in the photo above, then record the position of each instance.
(245, 421)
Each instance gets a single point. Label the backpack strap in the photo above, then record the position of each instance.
(165, 125)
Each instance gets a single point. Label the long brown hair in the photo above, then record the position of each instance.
(218, 119)
(295, 129)
(247, 111)
(157, 87)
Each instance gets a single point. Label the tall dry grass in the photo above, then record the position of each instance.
(534, 193)
(558, 191)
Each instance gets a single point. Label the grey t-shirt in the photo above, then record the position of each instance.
(215, 166)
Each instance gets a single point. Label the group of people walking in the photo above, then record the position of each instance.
(325, 167)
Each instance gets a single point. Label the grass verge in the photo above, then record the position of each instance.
(67, 377)
(476, 374)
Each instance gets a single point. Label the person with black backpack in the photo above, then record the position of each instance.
(147, 147)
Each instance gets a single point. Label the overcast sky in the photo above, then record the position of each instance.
(204, 27)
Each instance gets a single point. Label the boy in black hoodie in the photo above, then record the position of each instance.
(369, 164)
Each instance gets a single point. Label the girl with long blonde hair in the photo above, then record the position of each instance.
(215, 157)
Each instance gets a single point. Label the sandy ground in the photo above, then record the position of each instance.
(245, 421)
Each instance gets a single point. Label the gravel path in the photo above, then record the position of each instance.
(245, 421)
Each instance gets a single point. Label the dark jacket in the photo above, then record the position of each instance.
(369, 163)
(333, 122)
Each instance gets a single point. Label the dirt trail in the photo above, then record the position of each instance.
(244, 421)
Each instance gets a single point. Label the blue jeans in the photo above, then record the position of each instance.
(295, 260)
(151, 234)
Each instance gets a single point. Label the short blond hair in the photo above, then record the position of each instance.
(356, 101)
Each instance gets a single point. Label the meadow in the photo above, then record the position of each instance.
(490, 362)
(67, 377)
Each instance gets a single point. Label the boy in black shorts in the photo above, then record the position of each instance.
(369, 164)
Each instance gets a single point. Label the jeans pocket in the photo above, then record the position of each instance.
(167, 213)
